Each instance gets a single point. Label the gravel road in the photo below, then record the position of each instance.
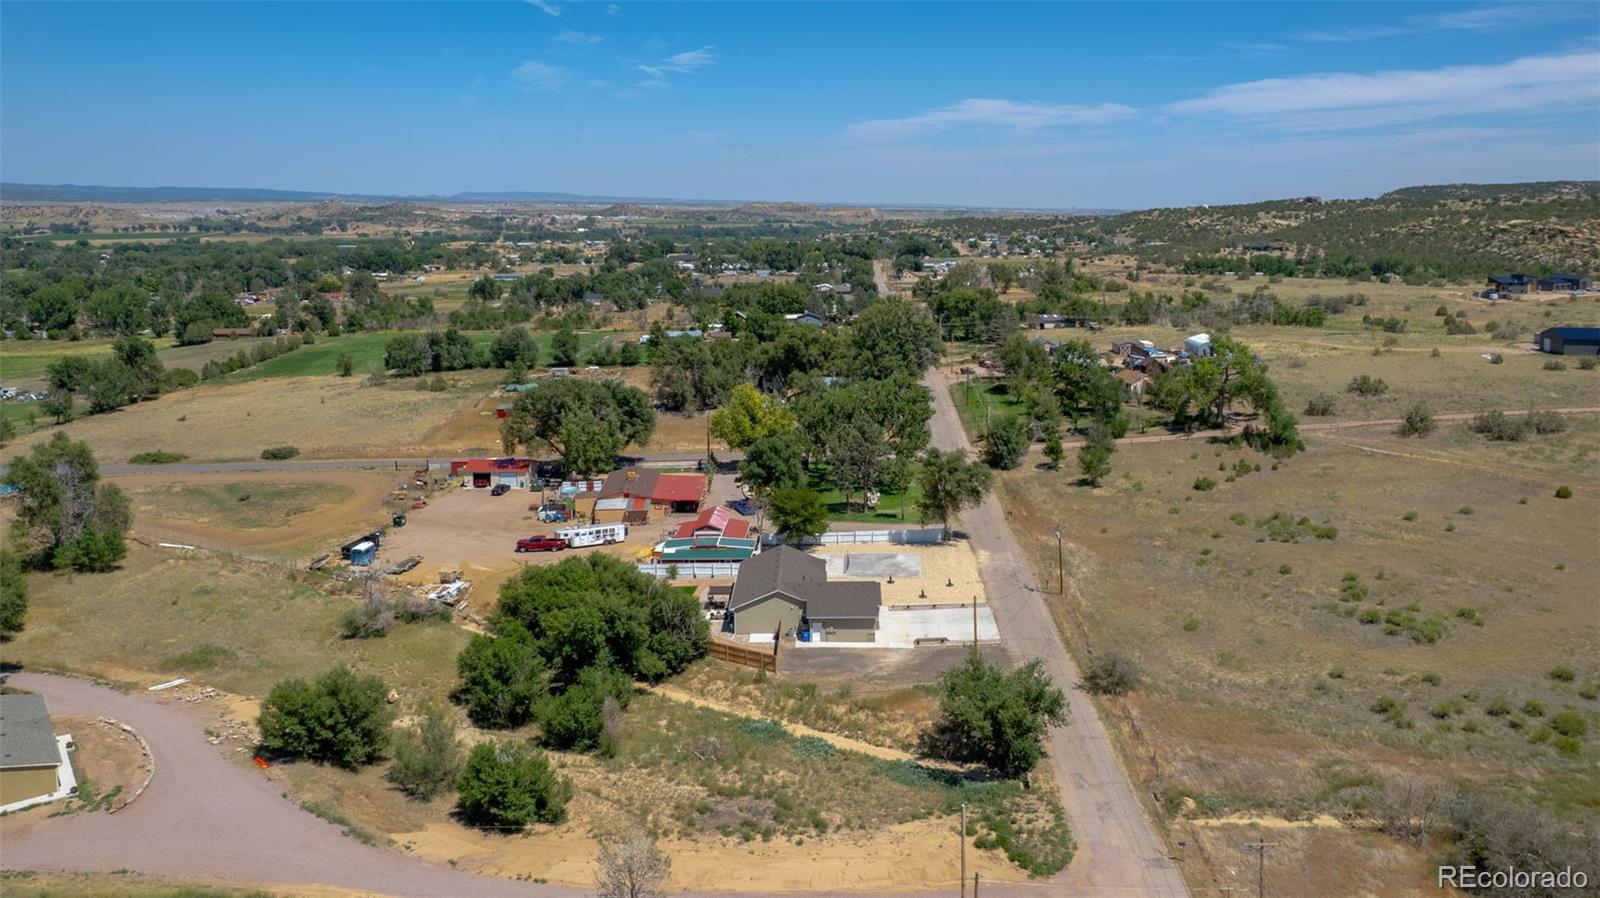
(1118, 852)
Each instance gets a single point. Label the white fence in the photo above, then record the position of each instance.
(915, 537)
(693, 570)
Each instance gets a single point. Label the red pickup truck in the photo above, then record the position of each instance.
(541, 544)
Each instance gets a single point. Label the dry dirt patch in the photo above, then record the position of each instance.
(949, 572)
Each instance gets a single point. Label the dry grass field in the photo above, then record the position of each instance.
(1453, 581)
(325, 417)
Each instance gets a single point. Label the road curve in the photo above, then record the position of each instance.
(1118, 852)
(204, 816)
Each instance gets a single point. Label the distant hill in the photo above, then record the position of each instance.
(90, 193)
(1450, 229)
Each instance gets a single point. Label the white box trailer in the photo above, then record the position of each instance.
(593, 535)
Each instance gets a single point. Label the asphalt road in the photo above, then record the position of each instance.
(1118, 852)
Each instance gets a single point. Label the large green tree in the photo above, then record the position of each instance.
(748, 416)
(990, 717)
(892, 336)
(775, 461)
(586, 422)
(798, 513)
(502, 677)
(65, 517)
(13, 594)
(949, 484)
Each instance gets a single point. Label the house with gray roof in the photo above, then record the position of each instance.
(33, 762)
(786, 592)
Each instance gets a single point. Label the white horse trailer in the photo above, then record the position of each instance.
(593, 535)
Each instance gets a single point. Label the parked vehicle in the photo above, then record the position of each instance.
(743, 506)
(541, 543)
(553, 516)
(500, 489)
(594, 535)
(374, 537)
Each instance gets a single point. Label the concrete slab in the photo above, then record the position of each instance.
(882, 565)
(904, 626)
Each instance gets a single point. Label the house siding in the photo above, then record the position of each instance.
(777, 613)
(847, 630)
(20, 783)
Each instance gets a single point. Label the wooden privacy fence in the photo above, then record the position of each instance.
(759, 657)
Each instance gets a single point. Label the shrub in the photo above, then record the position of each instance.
(1533, 708)
(1111, 675)
(1370, 616)
(509, 786)
(345, 364)
(1205, 484)
(1569, 723)
(426, 759)
(1191, 624)
(1562, 673)
(1554, 365)
(1563, 492)
(1545, 421)
(1007, 441)
(157, 458)
(1367, 385)
(1459, 327)
(1497, 425)
(1319, 406)
(502, 678)
(1409, 516)
(1588, 363)
(1496, 358)
(993, 717)
(1418, 421)
(279, 453)
(575, 719)
(340, 719)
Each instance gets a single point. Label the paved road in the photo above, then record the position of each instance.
(365, 464)
(1118, 852)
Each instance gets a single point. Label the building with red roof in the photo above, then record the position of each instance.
(666, 492)
(487, 473)
(713, 522)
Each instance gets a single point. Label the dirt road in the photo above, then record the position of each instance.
(1118, 852)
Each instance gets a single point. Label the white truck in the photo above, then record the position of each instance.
(593, 535)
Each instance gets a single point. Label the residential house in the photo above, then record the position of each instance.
(809, 319)
(1049, 346)
(1198, 346)
(1568, 340)
(1121, 347)
(1049, 322)
(1511, 284)
(786, 592)
(34, 767)
(1135, 381)
(1564, 283)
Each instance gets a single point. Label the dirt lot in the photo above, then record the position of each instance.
(295, 515)
(949, 572)
(476, 533)
(1262, 670)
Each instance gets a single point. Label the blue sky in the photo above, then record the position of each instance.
(1027, 105)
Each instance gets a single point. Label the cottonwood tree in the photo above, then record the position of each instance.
(892, 336)
(749, 416)
(775, 461)
(950, 484)
(798, 513)
(340, 719)
(586, 422)
(994, 718)
(564, 347)
(631, 867)
(65, 517)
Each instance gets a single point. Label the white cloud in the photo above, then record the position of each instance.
(1343, 100)
(536, 74)
(1021, 117)
(612, 8)
(680, 63)
(1478, 18)
(578, 38)
(546, 8)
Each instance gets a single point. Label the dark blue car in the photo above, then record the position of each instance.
(743, 506)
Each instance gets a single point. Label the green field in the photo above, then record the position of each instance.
(979, 404)
(892, 507)
(366, 350)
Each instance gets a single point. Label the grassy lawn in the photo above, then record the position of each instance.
(980, 402)
(366, 350)
(892, 508)
(240, 628)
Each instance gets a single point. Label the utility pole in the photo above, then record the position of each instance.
(963, 850)
(975, 877)
(1061, 567)
(1260, 848)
